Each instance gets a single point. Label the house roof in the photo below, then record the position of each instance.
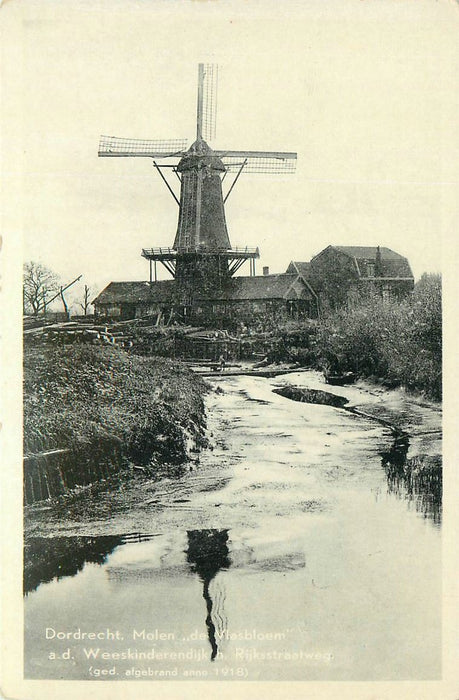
(365, 252)
(393, 265)
(238, 289)
(303, 268)
(136, 292)
(256, 288)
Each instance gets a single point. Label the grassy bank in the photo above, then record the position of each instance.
(104, 408)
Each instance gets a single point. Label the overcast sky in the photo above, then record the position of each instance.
(365, 92)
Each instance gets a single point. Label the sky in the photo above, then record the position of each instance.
(365, 92)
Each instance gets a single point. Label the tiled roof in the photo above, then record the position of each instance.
(237, 289)
(393, 265)
(262, 287)
(364, 252)
(136, 292)
(303, 268)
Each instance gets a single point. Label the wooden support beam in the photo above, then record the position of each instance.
(237, 264)
(235, 180)
(170, 266)
(166, 182)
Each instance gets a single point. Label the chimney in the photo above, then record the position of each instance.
(265, 271)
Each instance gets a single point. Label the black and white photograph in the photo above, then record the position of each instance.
(228, 258)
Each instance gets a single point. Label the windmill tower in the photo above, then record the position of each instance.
(201, 258)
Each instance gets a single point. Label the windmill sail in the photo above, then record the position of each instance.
(112, 146)
(209, 101)
(259, 161)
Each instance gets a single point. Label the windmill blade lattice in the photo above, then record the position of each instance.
(161, 148)
(263, 163)
(209, 107)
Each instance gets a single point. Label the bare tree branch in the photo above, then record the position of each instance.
(86, 300)
(39, 284)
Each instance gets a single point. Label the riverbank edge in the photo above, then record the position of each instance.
(96, 414)
(94, 451)
(420, 474)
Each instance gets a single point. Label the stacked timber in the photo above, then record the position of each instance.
(71, 332)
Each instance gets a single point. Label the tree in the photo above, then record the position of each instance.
(86, 300)
(39, 285)
(426, 302)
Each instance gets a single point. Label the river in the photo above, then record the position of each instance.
(286, 553)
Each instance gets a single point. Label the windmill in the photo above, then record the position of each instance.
(201, 256)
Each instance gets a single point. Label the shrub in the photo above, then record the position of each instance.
(400, 342)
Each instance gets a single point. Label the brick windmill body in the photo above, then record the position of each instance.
(201, 259)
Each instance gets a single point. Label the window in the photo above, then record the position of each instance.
(370, 269)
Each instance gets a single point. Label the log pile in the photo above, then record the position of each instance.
(72, 332)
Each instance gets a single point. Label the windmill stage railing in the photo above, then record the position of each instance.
(159, 253)
(236, 257)
(171, 253)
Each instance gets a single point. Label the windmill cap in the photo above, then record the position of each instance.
(200, 155)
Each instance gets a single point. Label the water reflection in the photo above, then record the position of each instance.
(208, 553)
(47, 558)
(417, 479)
(396, 455)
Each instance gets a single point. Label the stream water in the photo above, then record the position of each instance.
(289, 553)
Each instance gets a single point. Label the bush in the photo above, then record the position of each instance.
(399, 342)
